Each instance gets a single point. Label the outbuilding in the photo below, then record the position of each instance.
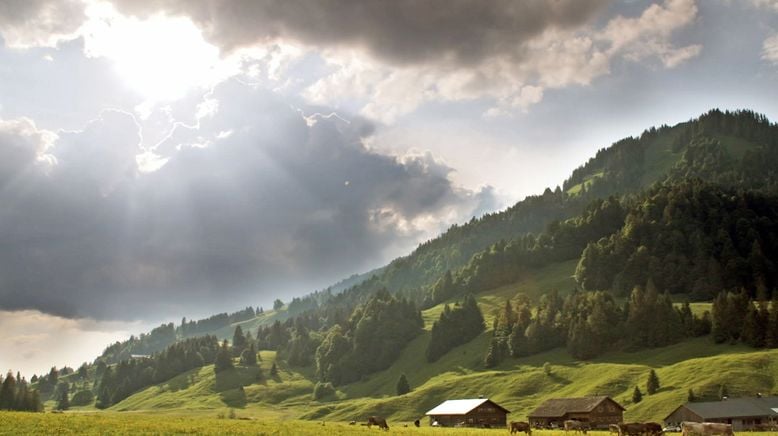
(478, 412)
(598, 412)
(752, 413)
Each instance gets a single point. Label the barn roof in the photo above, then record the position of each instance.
(461, 407)
(734, 408)
(558, 407)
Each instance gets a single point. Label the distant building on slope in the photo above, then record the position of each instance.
(479, 412)
(742, 413)
(598, 412)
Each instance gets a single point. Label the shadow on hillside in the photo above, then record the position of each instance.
(180, 383)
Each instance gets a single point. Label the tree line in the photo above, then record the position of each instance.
(16, 394)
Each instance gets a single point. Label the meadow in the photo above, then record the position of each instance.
(110, 423)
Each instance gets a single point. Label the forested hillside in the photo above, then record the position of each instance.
(679, 214)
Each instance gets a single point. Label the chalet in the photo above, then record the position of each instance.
(479, 412)
(598, 412)
(742, 413)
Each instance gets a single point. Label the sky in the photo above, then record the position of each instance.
(170, 158)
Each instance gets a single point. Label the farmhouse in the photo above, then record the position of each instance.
(742, 413)
(479, 412)
(598, 412)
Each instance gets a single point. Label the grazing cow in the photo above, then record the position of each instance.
(576, 426)
(417, 423)
(653, 429)
(377, 420)
(518, 427)
(352, 423)
(706, 429)
(632, 429)
(614, 428)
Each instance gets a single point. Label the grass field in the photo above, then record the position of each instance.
(14, 423)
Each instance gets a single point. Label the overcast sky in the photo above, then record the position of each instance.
(170, 158)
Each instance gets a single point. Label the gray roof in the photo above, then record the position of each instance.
(735, 408)
(558, 407)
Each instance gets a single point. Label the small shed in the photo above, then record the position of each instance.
(598, 412)
(743, 413)
(478, 412)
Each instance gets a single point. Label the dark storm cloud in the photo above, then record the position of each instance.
(257, 200)
(399, 31)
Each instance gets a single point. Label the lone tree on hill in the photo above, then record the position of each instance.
(637, 396)
(402, 385)
(652, 385)
(63, 400)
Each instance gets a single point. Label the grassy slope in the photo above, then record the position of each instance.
(18, 424)
(518, 384)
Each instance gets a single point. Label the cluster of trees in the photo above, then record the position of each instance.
(689, 237)
(167, 334)
(119, 381)
(455, 326)
(15, 394)
(503, 263)
(592, 323)
(739, 318)
(215, 322)
(370, 341)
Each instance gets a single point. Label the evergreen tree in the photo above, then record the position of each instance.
(723, 392)
(8, 392)
(278, 304)
(249, 356)
(238, 342)
(402, 385)
(691, 397)
(652, 384)
(637, 396)
(274, 370)
(63, 396)
(223, 360)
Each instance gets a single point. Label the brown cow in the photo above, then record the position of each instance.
(377, 420)
(576, 426)
(706, 429)
(632, 429)
(654, 429)
(518, 427)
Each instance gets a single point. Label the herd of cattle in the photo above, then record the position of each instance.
(623, 429)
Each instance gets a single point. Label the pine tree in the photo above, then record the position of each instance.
(63, 396)
(402, 385)
(238, 342)
(8, 392)
(652, 385)
(249, 356)
(274, 370)
(637, 396)
(691, 397)
(223, 358)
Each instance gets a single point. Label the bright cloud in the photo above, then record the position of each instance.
(770, 49)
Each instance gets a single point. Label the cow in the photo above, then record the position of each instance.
(654, 429)
(377, 420)
(614, 429)
(576, 426)
(632, 429)
(417, 423)
(706, 429)
(518, 427)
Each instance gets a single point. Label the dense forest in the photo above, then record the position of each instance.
(16, 394)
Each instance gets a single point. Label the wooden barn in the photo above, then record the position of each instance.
(598, 412)
(479, 412)
(742, 413)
